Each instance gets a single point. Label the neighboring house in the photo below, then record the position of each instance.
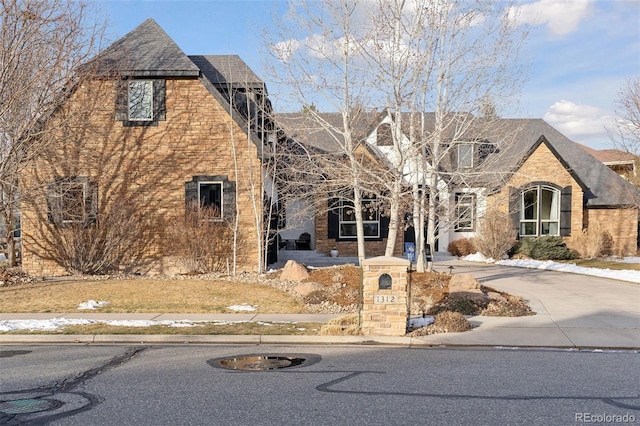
(546, 182)
(623, 163)
(161, 130)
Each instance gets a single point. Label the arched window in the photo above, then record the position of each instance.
(539, 211)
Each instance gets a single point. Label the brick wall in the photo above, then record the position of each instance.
(622, 224)
(384, 311)
(542, 165)
(350, 248)
(152, 163)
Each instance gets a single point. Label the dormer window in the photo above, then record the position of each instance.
(140, 100)
(465, 156)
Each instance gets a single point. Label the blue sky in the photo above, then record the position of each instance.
(579, 52)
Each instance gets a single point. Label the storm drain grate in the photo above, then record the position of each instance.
(264, 362)
(23, 406)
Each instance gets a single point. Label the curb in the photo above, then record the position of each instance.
(210, 339)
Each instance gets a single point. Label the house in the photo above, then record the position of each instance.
(524, 167)
(621, 162)
(147, 132)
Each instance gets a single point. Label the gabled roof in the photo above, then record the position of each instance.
(602, 187)
(224, 71)
(146, 51)
(515, 139)
(610, 156)
(310, 131)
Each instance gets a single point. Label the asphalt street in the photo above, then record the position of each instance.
(334, 385)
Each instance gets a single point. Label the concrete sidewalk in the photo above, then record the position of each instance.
(572, 311)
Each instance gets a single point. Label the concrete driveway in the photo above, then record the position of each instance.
(572, 310)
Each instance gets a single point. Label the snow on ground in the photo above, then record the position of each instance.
(420, 322)
(92, 304)
(243, 307)
(623, 275)
(55, 324)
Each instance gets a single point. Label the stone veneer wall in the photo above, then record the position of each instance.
(350, 248)
(622, 224)
(384, 311)
(155, 161)
(543, 165)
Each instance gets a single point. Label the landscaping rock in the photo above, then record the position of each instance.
(493, 295)
(463, 282)
(305, 288)
(293, 271)
(465, 286)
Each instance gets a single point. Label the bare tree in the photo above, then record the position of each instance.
(628, 110)
(42, 42)
(405, 57)
(626, 136)
(317, 52)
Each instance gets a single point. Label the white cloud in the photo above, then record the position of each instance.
(581, 123)
(561, 16)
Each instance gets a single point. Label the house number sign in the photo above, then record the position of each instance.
(384, 299)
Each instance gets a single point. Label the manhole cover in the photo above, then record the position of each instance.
(23, 406)
(9, 354)
(264, 362)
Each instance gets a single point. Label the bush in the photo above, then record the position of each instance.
(449, 322)
(347, 325)
(494, 239)
(201, 241)
(117, 241)
(544, 248)
(593, 242)
(461, 247)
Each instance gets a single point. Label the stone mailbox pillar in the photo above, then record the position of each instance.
(385, 308)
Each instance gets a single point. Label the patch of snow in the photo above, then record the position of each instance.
(623, 275)
(420, 322)
(41, 325)
(630, 260)
(92, 304)
(477, 257)
(58, 323)
(243, 307)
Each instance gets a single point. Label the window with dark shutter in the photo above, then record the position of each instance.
(72, 201)
(543, 209)
(140, 102)
(213, 192)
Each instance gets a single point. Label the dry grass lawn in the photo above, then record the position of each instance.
(147, 296)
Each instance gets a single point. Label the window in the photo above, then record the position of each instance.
(465, 155)
(540, 211)
(465, 212)
(210, 196)
(213, 192)
(140, 102)
(370, 218)
(72, 201)
(383, 134)
(140, 98)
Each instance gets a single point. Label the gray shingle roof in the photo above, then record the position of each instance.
(516, 139)
(601, 185)
(227, 70)
(145, 51)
